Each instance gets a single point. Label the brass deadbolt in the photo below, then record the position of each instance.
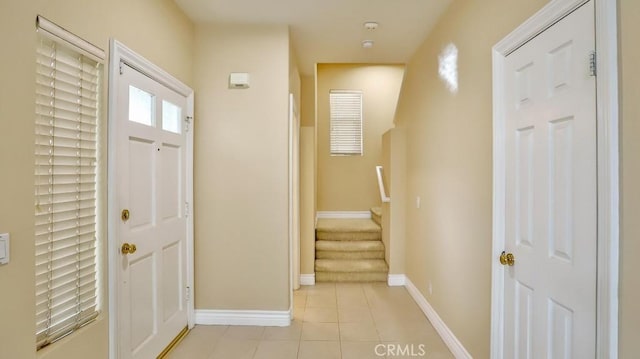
(125, 215)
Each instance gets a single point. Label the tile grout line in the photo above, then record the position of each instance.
(304, 312)
(213, 350)
(373, 318)
(375, 323)
(338, 319)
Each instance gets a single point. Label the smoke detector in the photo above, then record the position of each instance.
(370, 25)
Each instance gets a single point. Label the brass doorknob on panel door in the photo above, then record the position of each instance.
(125, 215)
(128, 248)
(507, 259)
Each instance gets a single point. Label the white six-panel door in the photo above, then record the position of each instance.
(151, 186)
(551, 198)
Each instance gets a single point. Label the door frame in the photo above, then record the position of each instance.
(294, 197)
(607, 164)
(119, 53)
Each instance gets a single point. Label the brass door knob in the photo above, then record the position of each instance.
(507, 259)
(128, 248)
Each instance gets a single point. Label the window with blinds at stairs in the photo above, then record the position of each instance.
(345, 122)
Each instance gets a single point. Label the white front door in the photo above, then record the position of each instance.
(150, 196)
(551, 193)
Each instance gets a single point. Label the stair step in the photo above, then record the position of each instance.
(351, 266)
(350, 246)
(349, 250)
(349, 255)
(376, 215)
(347, 230)
(351, 277)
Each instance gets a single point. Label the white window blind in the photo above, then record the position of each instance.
(67, 112)
(346, 122)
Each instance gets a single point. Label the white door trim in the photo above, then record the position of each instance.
(120, 53)
(294, 195)
(608, 167)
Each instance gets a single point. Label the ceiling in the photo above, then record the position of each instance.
(331, 31)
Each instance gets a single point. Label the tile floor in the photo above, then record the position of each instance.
(343, 320)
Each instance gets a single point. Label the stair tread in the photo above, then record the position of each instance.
(333, 225)
(332, 229)
(351, 265)
(376, 211)
(349, 246)
(349, 255)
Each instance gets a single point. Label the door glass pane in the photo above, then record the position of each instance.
(171, 115)
(140, 106)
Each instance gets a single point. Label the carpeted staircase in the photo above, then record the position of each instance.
(350, 250)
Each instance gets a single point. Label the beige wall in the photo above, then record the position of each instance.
(387, 176)
(307, 176)
(630, 179)
(348, 183)
(307, 201)
(308, 99)
(394, 224)
(449, 165)
(137, 24)
(241, 168)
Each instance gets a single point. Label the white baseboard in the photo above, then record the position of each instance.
(308, 279)
(458, 350)
(344, 214)
(260, 318)
(396, 280)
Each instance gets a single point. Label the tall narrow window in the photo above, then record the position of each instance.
(346, 122)
(66, 122)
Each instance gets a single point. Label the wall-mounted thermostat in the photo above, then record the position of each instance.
(4, 248)
(239, 80)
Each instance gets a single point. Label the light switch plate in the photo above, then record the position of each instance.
(4, 248)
